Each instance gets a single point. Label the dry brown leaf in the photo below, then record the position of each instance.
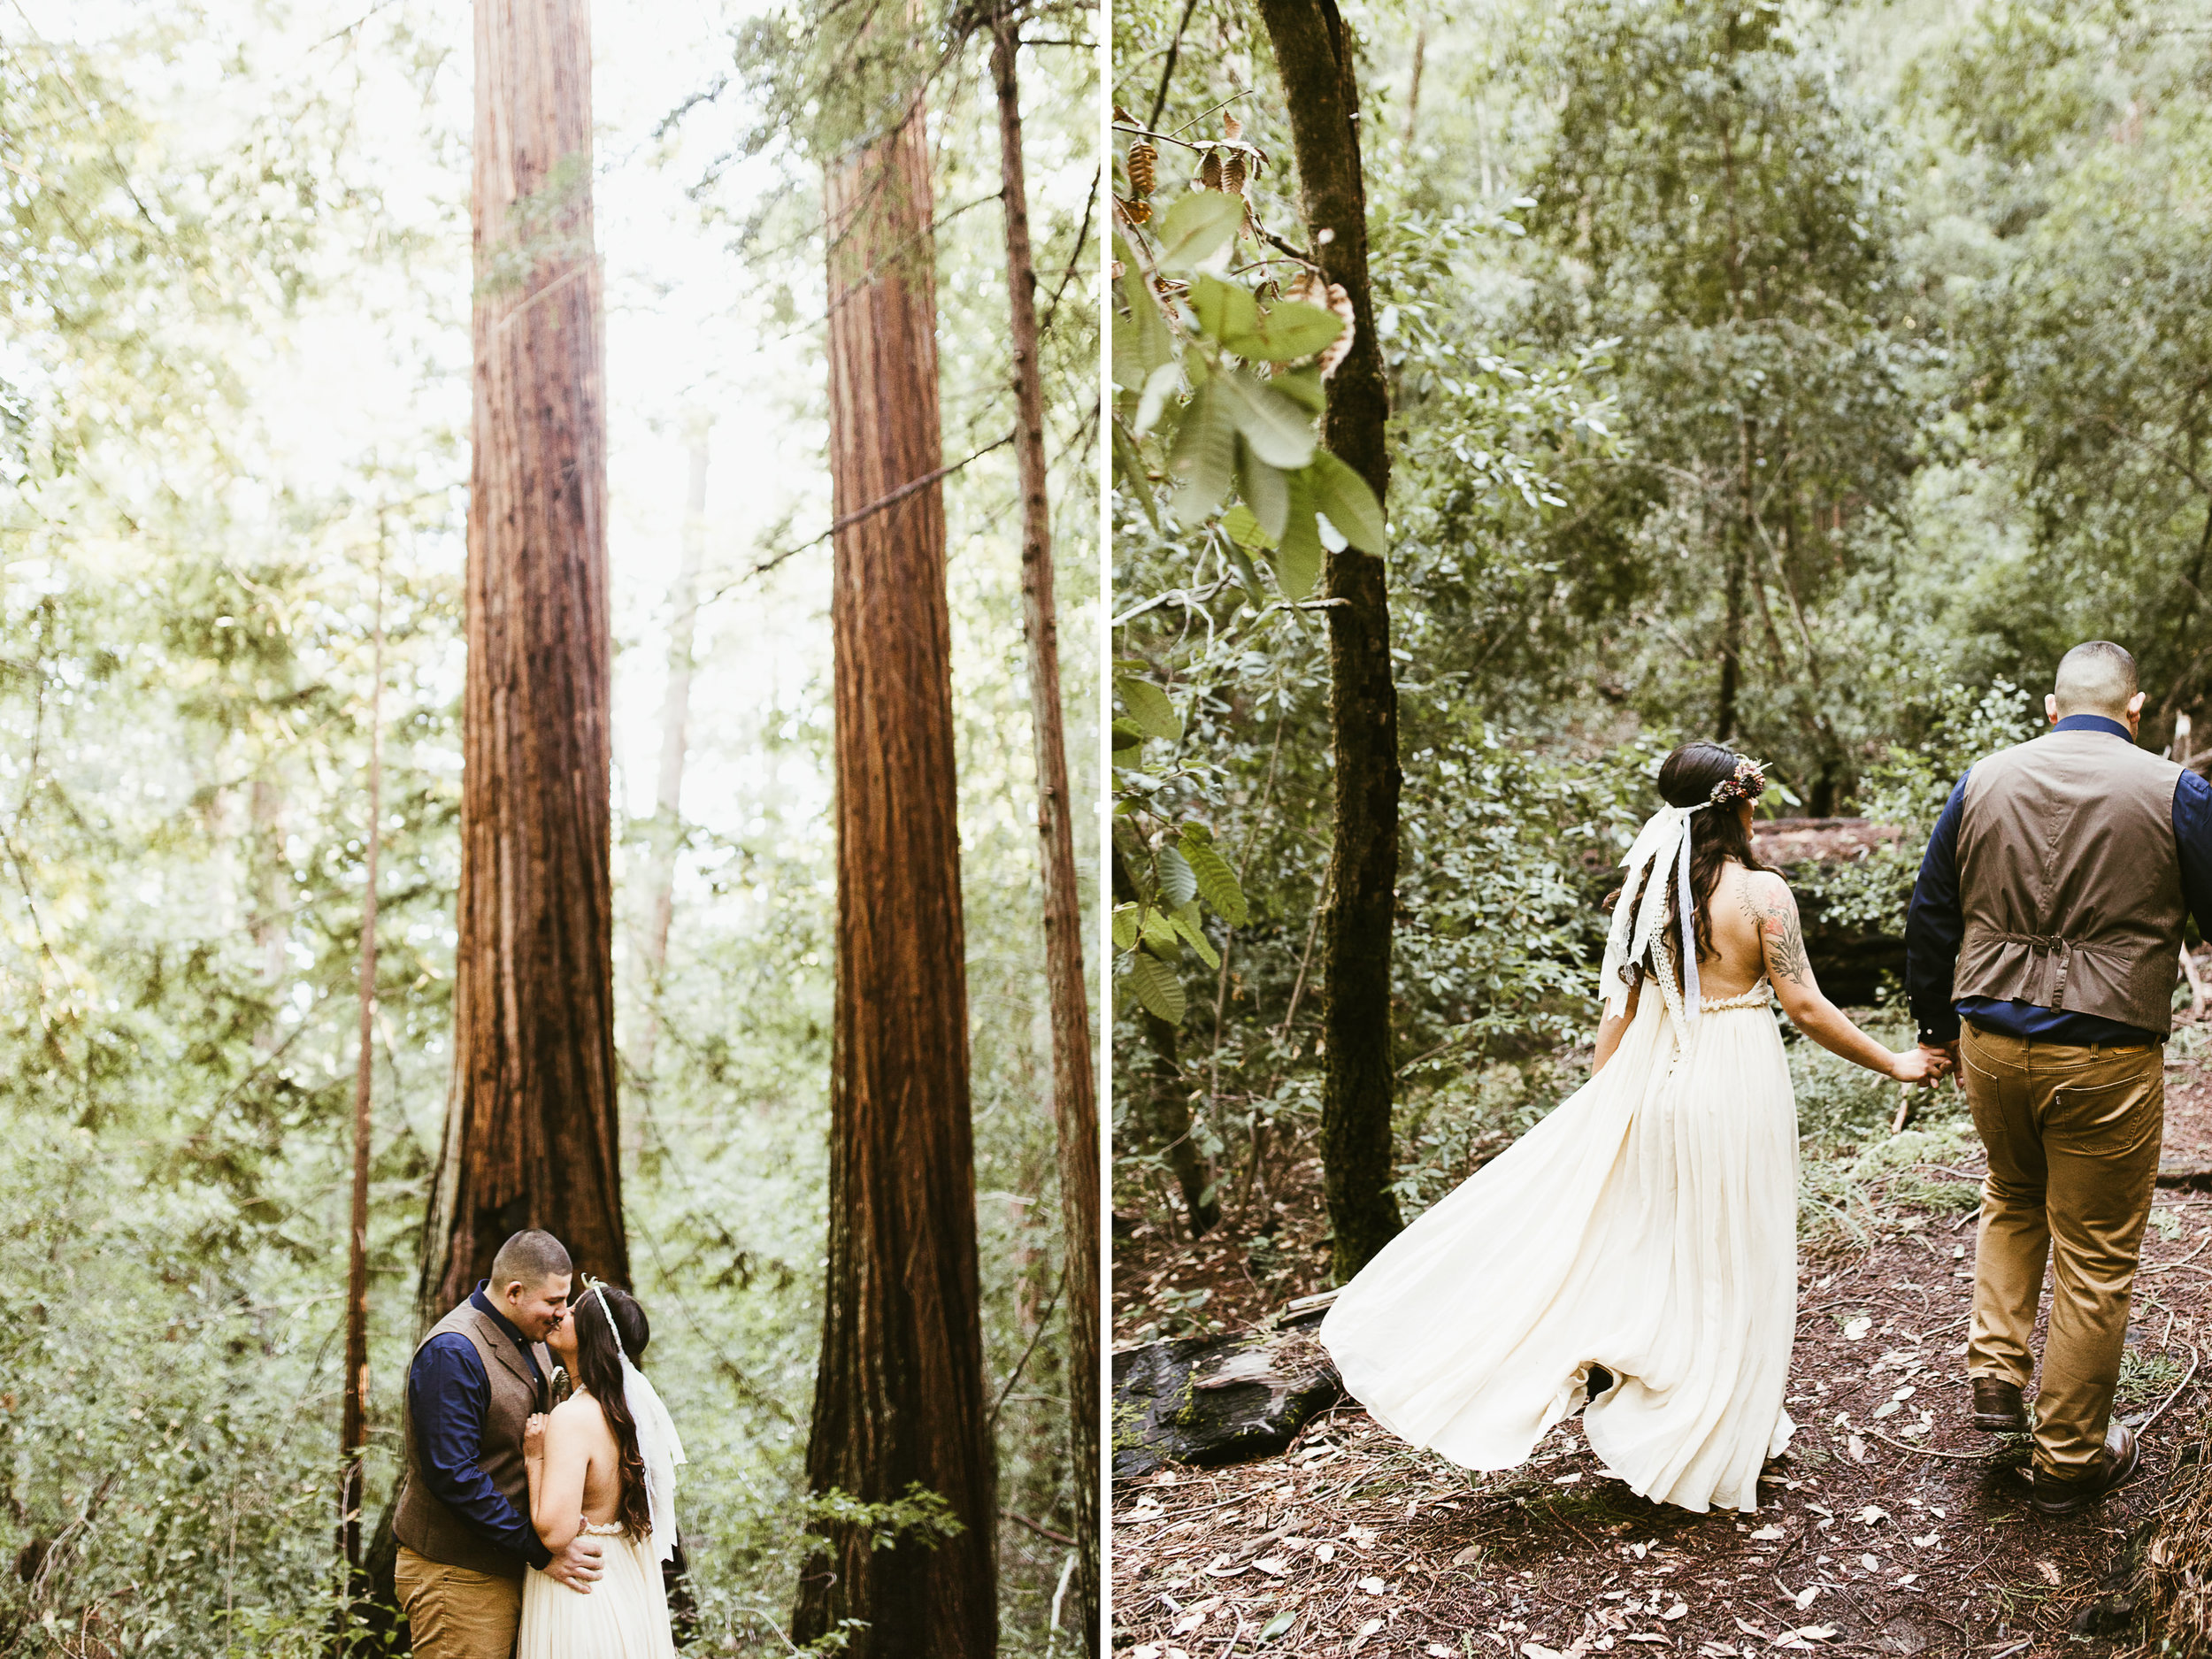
(1144, 162)
(1210, 171)
(2049, 1570)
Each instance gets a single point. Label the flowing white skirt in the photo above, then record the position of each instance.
(625, 1616)
(1648, 1225)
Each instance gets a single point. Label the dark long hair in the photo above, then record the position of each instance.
(599, 1370)
(1687, 778)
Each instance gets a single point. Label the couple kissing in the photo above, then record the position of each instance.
(529, 1525)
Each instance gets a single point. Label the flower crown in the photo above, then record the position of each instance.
(1748, 782)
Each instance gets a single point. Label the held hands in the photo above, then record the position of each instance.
(1922, 1064)
(577, 1564)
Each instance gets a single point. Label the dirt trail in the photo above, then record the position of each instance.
(1890, 1527)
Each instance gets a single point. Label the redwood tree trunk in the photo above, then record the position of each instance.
(1074, 1086)
(1314, 51)
(899, 1394)
(531, 1129)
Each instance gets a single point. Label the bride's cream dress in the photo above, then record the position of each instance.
(1648, 1226)
(625, 1616)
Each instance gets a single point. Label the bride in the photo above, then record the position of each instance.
(1634, 1256)
(603, 1463)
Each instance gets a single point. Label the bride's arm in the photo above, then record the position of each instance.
(1613, 1025)
(557, 1480)
(1782, 939)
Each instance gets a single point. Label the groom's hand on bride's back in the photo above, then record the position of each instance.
(577, 1563)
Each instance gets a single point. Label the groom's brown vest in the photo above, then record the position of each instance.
(426, 1525)
(2069, 880)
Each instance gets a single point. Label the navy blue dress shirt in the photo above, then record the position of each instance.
(1935, 925)
(448, 1399)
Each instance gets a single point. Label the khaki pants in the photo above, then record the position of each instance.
(2073, 1135)
(456, 1613)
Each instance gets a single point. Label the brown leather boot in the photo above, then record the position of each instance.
(1997, 1408)
(2117, 1460)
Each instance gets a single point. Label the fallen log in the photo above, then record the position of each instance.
(1210, 1400)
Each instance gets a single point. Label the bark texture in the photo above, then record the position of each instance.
(531, 1131)
(1074, 1086)
(1314, 50)
(899, 1402)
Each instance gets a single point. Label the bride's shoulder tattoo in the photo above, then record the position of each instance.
(1784, 935)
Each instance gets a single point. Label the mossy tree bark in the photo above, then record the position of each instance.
(530, 1130)
(1074, 1084)
(899, 1398)
(1313, 52)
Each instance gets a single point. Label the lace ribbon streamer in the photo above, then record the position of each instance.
(1661, 848)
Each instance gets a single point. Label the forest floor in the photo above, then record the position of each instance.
(1889, 1527)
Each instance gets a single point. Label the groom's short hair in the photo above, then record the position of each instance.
(2096, 677)
(531, 1256)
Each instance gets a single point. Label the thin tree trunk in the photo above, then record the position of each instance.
(1163, 1113)
(1074, 1084)
(353, 1431)
(1170, 1126)
(270, 874)
(531, 1128)
(1413, 89)
(899, 1397)
(1731, 593)
(1314, 51)
(683, 600)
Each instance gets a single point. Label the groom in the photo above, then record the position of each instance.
(2048, 918)
(464, 1519)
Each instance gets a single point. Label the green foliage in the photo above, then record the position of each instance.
(1908, 787)
(918, 1516)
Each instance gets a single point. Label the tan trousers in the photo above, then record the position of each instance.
(456, 1613)
(2073, 1135)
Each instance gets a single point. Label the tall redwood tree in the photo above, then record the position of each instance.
(1074, 1091)
(899, 1405)
(531, 1128)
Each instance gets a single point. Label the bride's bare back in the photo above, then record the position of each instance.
(577, 1481)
